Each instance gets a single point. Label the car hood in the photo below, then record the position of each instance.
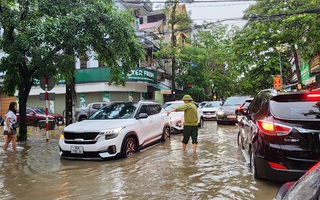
(98, 125)
(176, 114)
(209, 109)
(56, 115)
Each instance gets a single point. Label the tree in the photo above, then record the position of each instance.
(217, 40)
(273, 24)
(179, 22)
(44, 37)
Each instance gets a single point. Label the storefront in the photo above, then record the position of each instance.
(92, 85)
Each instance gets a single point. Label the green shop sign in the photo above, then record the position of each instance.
(142, 74)
(305, 73)
(102, 74)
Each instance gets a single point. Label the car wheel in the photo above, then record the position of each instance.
(129, 147)
(240, 142)
(219, 122)
(200, 124)
(253, 166)
(166, 133)
(82, 118)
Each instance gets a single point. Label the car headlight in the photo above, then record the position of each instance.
(110, 133)
(176, 121)
(220, 112)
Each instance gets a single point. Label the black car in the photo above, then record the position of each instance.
(281, 134)
(307, 187)
(226, 112)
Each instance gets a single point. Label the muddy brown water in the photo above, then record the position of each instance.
(217, 171)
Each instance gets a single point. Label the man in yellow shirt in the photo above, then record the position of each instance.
(190, 128)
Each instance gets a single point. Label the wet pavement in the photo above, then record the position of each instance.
(217, 171)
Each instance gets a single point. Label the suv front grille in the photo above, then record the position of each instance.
(80, 138)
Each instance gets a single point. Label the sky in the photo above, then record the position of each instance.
(212, 11)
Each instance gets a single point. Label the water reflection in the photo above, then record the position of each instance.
(217, 171)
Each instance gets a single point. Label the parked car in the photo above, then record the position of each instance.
(280, 133)
(307, 187)
(117, 130)
(177, 118)
(226, 112)
(58, 119)
(34, 117)
(85, 113)
(203, 103)
(210, 108)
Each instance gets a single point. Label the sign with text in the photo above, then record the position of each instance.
(277, 82)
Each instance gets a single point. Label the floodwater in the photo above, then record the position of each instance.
(217, 171)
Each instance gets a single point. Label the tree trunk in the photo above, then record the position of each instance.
(24, 90)
(70, 98)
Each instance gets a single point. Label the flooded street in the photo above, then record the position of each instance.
(217, 171)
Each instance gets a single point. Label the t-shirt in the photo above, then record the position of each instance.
(190, 114)
(12, 117)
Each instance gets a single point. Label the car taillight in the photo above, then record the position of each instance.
(271, 128)
(276, 165)
(313, 96)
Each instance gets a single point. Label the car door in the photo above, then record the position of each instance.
(151, 129)
(248, 123)
(157, 119)
(145, 129)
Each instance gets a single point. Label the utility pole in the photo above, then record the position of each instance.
(296, 62)
(173, 45)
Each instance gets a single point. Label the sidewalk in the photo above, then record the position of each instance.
(36, 132)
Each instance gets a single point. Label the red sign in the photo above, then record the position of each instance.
(277, 82)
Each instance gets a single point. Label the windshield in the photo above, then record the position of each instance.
(214, 104)
(170, 106)
(234, 101)
(115, 111)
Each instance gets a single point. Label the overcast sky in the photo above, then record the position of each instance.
(228, 12)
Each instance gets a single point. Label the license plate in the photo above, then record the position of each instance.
(77, 149)
(231, 116)
(60, 122)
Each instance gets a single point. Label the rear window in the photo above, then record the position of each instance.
(295, 107)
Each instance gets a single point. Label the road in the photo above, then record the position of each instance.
(217, 171)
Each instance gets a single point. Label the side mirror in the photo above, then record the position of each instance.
(142, 116)
(239, 111)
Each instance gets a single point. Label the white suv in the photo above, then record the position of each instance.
(116, 130)
(177, 118)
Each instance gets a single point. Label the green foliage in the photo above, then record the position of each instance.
(216, 40)
(274, 29)
(44, 37)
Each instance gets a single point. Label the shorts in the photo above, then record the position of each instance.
(13, 132)
(190, 131)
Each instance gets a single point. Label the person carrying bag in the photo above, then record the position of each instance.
(10, 126)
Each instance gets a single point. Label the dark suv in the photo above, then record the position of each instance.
(281, 134)
(226, 113)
